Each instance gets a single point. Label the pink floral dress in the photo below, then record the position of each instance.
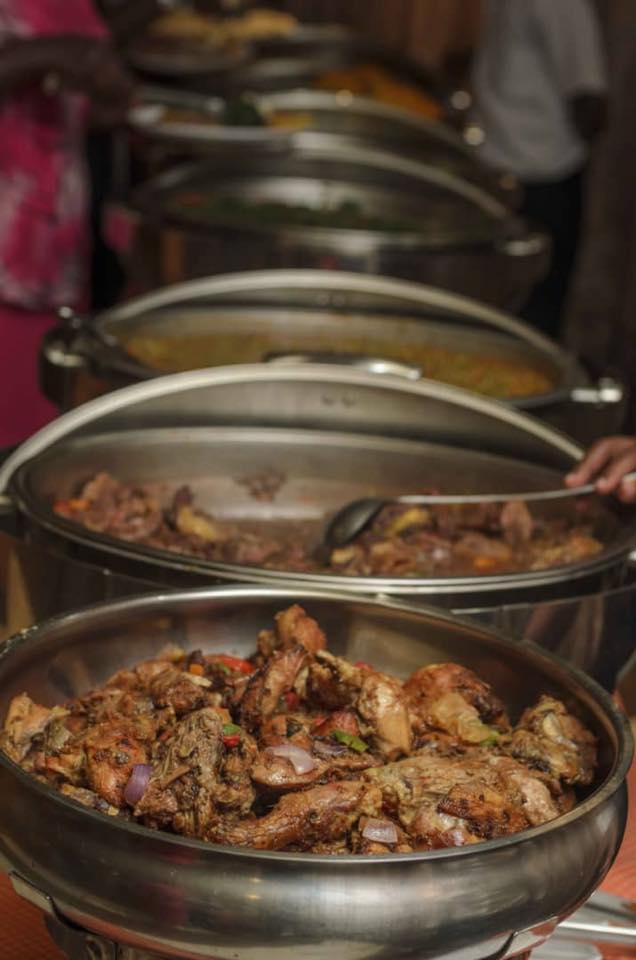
(42, 178)
(43, 211)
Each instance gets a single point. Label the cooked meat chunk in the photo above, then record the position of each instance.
(192, 783)
(180, 691)
(551, 739)
(300, 820)
(403, 541)
(482, 797)
(25, 721)
(517, 523)
(382, 705)
(267, 685)
(297, 749)
(294, 628)
(111, 753)
(452, 699)
(378, 699)
(277, 773)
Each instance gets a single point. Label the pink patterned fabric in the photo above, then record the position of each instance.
(43, 190)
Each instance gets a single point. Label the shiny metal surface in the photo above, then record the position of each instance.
(333, 447)
(292, 310)
(320, 471)
(592, 630)
(339, 119)
(497, 260)
(166, 897)
(331, 403)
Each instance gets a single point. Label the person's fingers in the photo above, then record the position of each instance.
(616, 470)
(627, 491)
(600, 454)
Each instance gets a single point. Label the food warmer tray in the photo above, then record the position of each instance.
(265, 314)
(466, 240)
(163, 896)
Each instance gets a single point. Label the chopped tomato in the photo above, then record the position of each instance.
(233, 663)
(292, 700)
(232, 741)
(363, 665)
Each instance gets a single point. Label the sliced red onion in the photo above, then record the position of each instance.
(325, 749)
(380, 831)
(301, 761)
(136, 786)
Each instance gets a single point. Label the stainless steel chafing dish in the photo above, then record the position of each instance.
(338, 119)
(113, 889)
(335, 434)
(466, 239)
(320, 314)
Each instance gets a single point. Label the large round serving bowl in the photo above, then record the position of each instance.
(105, 882)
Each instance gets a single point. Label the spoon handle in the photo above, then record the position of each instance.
(531, 496)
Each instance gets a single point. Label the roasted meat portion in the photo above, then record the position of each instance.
(297, 749)
(403, 541)
(551, 739)
(301, 820)
(451, 699)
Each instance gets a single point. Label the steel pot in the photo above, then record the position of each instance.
(334, 434)
(163, 896)
(374, 322)
(335, 119)
(466, 241)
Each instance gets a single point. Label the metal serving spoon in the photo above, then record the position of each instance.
(354, 517)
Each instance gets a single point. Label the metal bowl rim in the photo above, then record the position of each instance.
(32, 506)
(617, 720)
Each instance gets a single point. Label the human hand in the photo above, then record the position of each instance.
(606, 463)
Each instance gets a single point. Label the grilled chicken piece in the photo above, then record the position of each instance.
(112, 751)
(25, 722)
(277, 774)
(551, 739)
(300, 820)
(451, 698)
(332, 683)
(378, 699)
(382, 704)
(196, 778)
(295, 627)
(181, 691)
(267, 685)
(483, 799)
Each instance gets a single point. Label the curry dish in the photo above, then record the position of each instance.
(403, 541)
(374, 81)
(491, 376)
(297, 749)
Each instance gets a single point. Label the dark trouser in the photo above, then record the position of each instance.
(107, 275)
(557, 207)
